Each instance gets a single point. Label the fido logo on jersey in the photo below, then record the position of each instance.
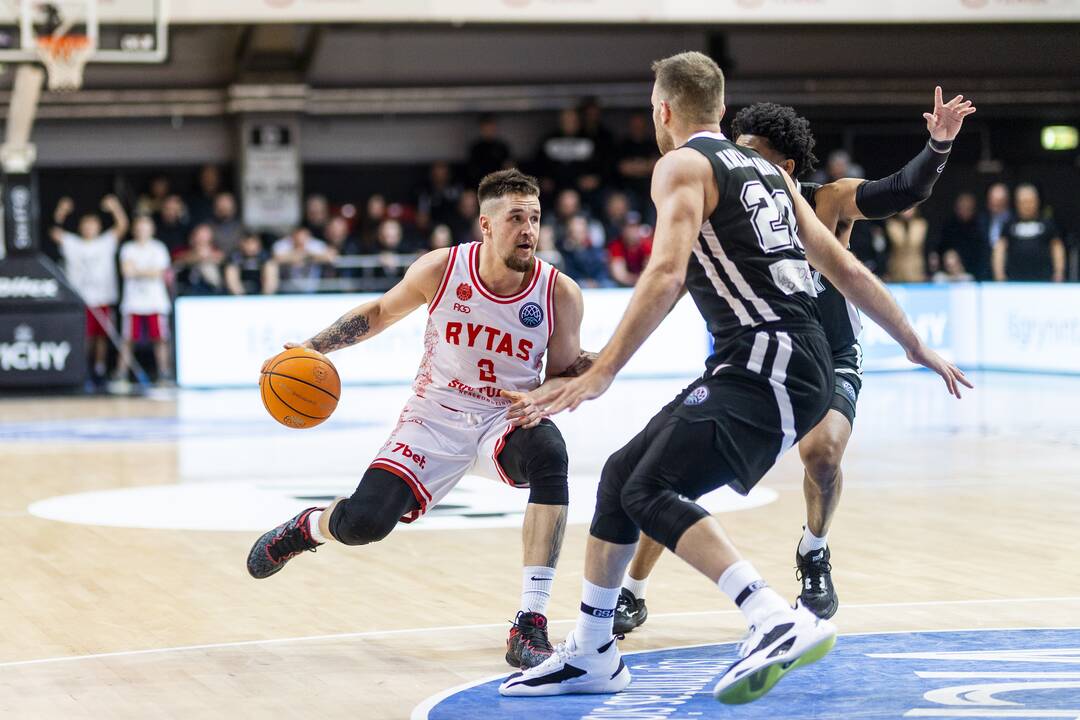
(531, 315)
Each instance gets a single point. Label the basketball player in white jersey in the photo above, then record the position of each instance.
(495, 311)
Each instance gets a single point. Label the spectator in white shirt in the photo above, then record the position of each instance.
(146, 306)
(90, 267)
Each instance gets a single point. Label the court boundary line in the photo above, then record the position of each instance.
(482, 626)
(423, 709)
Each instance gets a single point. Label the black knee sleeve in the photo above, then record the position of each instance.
(662, 513)
(610, 522)
(373, 510)
(537, 457)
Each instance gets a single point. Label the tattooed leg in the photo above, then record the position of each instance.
(542, 534)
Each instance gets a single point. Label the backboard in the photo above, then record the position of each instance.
(119, 31)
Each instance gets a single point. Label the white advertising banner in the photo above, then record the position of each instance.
(623, 11)
(1031, 327)
(223, 341)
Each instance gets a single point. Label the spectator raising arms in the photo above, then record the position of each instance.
(198, 269)
(90, 266)
(146, 307)
(251, 270)
(1030, 247)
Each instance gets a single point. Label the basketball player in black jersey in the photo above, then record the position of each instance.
(782, 137)
(732, 227)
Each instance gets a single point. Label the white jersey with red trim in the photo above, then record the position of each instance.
(477, 342)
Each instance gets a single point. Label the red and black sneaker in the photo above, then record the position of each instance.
(277, 547)
(528, 644)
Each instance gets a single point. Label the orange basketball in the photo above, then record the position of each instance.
(300, 388)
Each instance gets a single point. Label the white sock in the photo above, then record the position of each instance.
(637, 587)
(746, 588)
(596, 621)
(313, 526)
(811, 542)
(536, 583)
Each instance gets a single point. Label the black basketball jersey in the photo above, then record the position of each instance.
(748, 266)
(839, 318)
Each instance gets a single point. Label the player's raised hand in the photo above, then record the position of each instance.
(952, 375)
(524, 412)
(944, 123)
(588, 386)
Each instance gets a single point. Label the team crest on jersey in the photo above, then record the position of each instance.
(464, 291)
(531, 315)
(698, 396)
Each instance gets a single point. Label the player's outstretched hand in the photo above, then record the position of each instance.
(524, 412)
(944, 123)
(952, 375)
(588, 386)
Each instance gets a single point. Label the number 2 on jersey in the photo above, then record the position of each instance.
(487, 370)
(772, 216)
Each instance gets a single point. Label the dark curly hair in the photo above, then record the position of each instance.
(787, 132)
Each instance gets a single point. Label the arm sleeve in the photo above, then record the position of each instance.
(877, 199)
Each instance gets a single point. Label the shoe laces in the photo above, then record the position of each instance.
(626, 601)
(534, 633)
(816, 570)
(291, 541)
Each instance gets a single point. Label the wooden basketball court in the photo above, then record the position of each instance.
(956, 515)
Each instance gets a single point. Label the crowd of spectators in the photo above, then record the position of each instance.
(597, 227)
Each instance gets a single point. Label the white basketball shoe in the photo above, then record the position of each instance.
(785, 641)
(572, 670)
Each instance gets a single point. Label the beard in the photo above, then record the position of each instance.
(516, 264)
(664, 141)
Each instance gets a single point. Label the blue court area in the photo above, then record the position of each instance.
(951, 674)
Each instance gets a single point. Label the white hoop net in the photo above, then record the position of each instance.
(64, 57)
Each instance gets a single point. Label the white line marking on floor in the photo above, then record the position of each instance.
(482, 626)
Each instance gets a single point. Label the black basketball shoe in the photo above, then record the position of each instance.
(277, 547)
(629, 613)
(816, 590)
(528, 644)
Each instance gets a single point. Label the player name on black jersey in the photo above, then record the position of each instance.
(748, 266)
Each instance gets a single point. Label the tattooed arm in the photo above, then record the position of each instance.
(418, 287)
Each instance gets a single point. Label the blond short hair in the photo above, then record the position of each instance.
(692, 84)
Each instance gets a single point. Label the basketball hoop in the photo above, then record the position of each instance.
(64, 56)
